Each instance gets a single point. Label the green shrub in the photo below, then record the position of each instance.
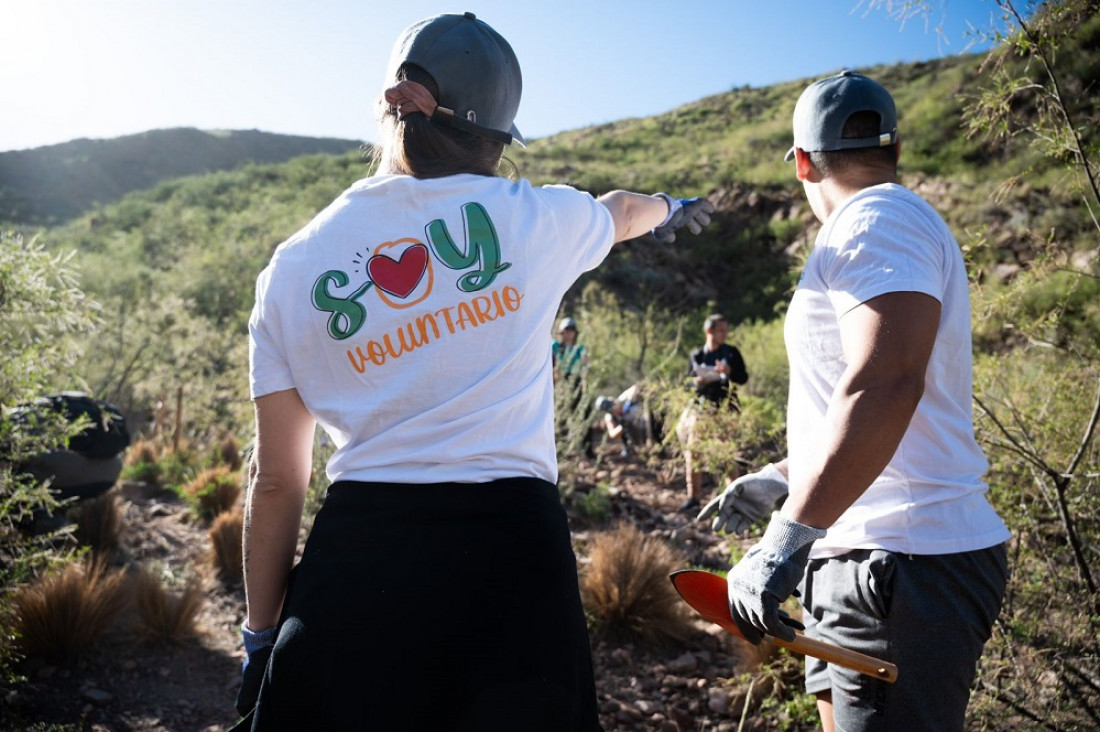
(41, 310)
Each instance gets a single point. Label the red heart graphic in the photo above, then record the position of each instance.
(399, 277)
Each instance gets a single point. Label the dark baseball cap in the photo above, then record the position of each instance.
(475, 68)
(826, 105)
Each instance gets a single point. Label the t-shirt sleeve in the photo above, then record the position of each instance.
(268, 369)
(880, 247)
(585, 228)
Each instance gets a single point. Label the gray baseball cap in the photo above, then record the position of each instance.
(825, 106)
(476, 70)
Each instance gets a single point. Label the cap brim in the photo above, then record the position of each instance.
(517, 137)
(789, 156)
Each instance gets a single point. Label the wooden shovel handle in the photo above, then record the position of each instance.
(841, 656)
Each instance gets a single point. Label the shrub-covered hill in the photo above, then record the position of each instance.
(728, 146)
(186, 251)
(53, 184)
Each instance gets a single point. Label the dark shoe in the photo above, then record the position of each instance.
(690, 506)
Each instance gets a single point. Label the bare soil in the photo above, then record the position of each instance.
(125, 684)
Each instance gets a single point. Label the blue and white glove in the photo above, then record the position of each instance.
(746, 500)
(257, 649)
(767, 575)
(694, 213)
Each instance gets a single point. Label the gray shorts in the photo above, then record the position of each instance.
(930, 615)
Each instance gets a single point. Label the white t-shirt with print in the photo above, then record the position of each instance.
(930, 499)
(411, 316)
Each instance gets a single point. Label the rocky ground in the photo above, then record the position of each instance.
(127, 685)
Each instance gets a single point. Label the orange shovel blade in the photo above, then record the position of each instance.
(706, 593)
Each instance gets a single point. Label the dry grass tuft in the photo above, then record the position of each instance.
(228, 453)
(626, 588)
(225, 543)
(143, 451)
(214, 491)
(162, 615)
(99, 522)
(64, 613)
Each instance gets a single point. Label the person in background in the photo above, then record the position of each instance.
(886, 530)
(570, 360)
(570, 357)
(438, 588)
(712, 368)
(626, 418)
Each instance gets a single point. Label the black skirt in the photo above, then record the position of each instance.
(433, 607)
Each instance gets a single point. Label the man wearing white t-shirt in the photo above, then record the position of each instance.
(886, 530)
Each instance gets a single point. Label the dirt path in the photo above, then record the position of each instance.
(126, 685)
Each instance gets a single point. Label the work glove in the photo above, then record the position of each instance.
(257, 649)
(767, 575)
(694, 213)
(746, 500)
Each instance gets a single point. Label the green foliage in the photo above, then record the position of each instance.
(41, 310)
(144, 472)
(1037, 382)
(593, 504)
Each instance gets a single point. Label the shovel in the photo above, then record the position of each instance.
(707, 595)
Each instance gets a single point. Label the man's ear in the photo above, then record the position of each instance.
(803, 168)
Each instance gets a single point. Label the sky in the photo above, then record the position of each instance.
(105, 68)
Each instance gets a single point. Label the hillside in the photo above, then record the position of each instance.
(144, 301)
(51, 185)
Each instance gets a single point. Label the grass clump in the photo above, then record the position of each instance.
(99, 523)
(227, 452)
(227, 554)
(164, 616)
(65, 612)
(626, 589)
(213, 491)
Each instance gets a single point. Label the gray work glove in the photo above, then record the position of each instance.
(767, 575)
(694, 213)
(746, 500)
(257, 648)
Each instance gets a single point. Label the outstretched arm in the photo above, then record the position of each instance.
(636, 214)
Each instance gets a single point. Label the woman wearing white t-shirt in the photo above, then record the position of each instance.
(438, 588)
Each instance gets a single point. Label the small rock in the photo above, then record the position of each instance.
(682, 718)
(684, 663)
(718, 701)
(96, 696)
